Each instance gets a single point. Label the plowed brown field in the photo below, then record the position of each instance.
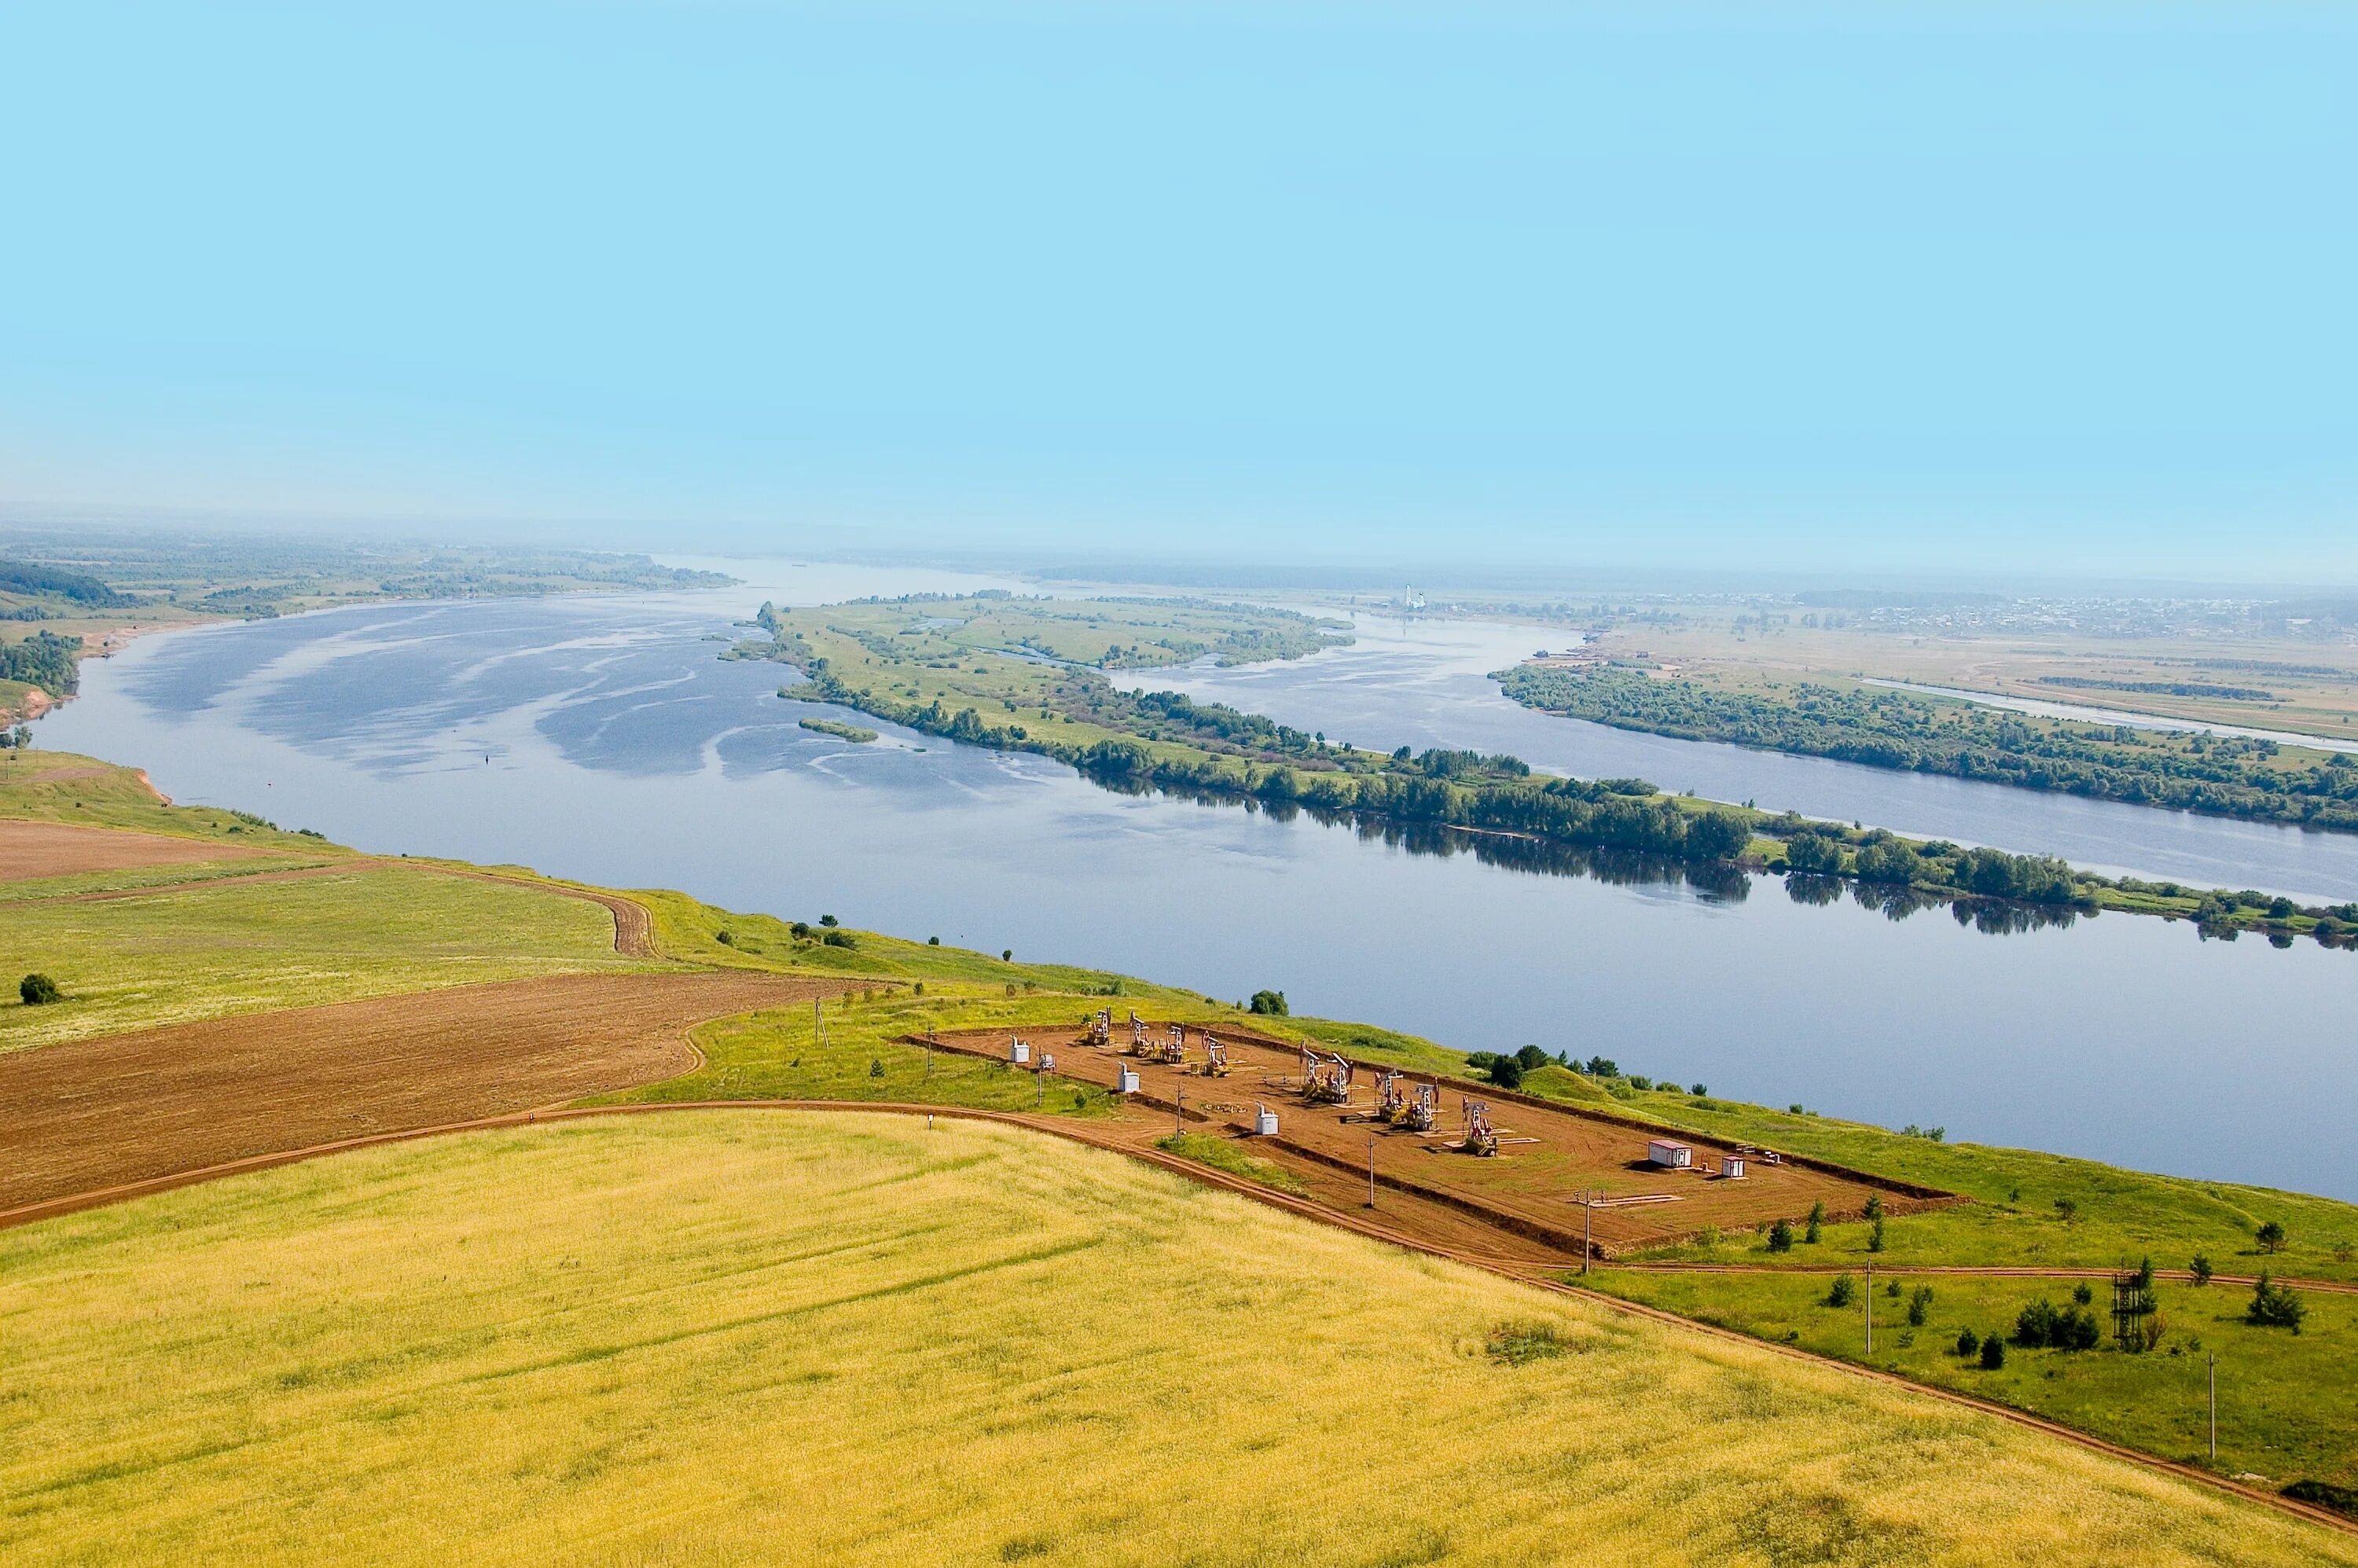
(29, 850)
(93, 1114)
(1533, 1187)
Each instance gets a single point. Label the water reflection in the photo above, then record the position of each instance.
(1712, 882)
(1715, 882)
(1990, 916)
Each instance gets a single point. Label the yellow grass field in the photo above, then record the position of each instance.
(720, 1338)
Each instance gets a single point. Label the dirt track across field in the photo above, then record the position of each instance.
(89, 1115)
(635, 935)
(31, 850)
(1548, 1157)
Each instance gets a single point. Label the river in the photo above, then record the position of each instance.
(599, 737)
(1425, 682)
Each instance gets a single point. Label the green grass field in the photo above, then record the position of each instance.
(2117, 1214)
(204, 952)
(782, 1055)
(1228, 1155)
(2285, 1409)
(723, 1338)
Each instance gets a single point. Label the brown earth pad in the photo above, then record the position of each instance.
(92, 1114)
(1548, 1157)
(29, 850)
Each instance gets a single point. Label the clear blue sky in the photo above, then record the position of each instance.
(1900, 285)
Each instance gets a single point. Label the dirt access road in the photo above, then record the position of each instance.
(89, 1115)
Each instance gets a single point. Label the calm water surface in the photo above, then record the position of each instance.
(600, 739)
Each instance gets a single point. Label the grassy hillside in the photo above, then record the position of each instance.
(61, 786)
(729, 1336)
(202, 951)
(853, 1049)
(2284, 1410)
(2032, 1208)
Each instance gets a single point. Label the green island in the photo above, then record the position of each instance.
(1881, 726)
(546, 1271)
(857, 734)
(1029, 675)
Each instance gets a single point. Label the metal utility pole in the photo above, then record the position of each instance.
(2215, 1407)
(1179, 1110)
(1871, 1306)
(1371, 1170)
(818, 1023)
(1587, 1227)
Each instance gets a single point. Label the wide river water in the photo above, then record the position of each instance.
(601, 738)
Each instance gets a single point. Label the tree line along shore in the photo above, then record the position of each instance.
(2243, 776)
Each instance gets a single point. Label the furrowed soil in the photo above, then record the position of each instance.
(1548, 1158)
(84, 1116)
(32, 850)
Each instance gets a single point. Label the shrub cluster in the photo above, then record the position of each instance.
(2275, 1306)
(2042, 1323)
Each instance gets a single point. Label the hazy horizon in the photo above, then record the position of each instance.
(2053, 292)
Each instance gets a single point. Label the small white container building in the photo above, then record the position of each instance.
(1732, 1167)
(1126, 1081)
(1264, 1122)
(1669, 1155)
(1018, 1052)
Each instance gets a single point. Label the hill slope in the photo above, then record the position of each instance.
(727, 1336)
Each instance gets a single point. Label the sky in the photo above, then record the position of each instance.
(2062, 287)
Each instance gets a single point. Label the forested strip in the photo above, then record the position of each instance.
(44, 659)
(1442, 788)
(2222, 774)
